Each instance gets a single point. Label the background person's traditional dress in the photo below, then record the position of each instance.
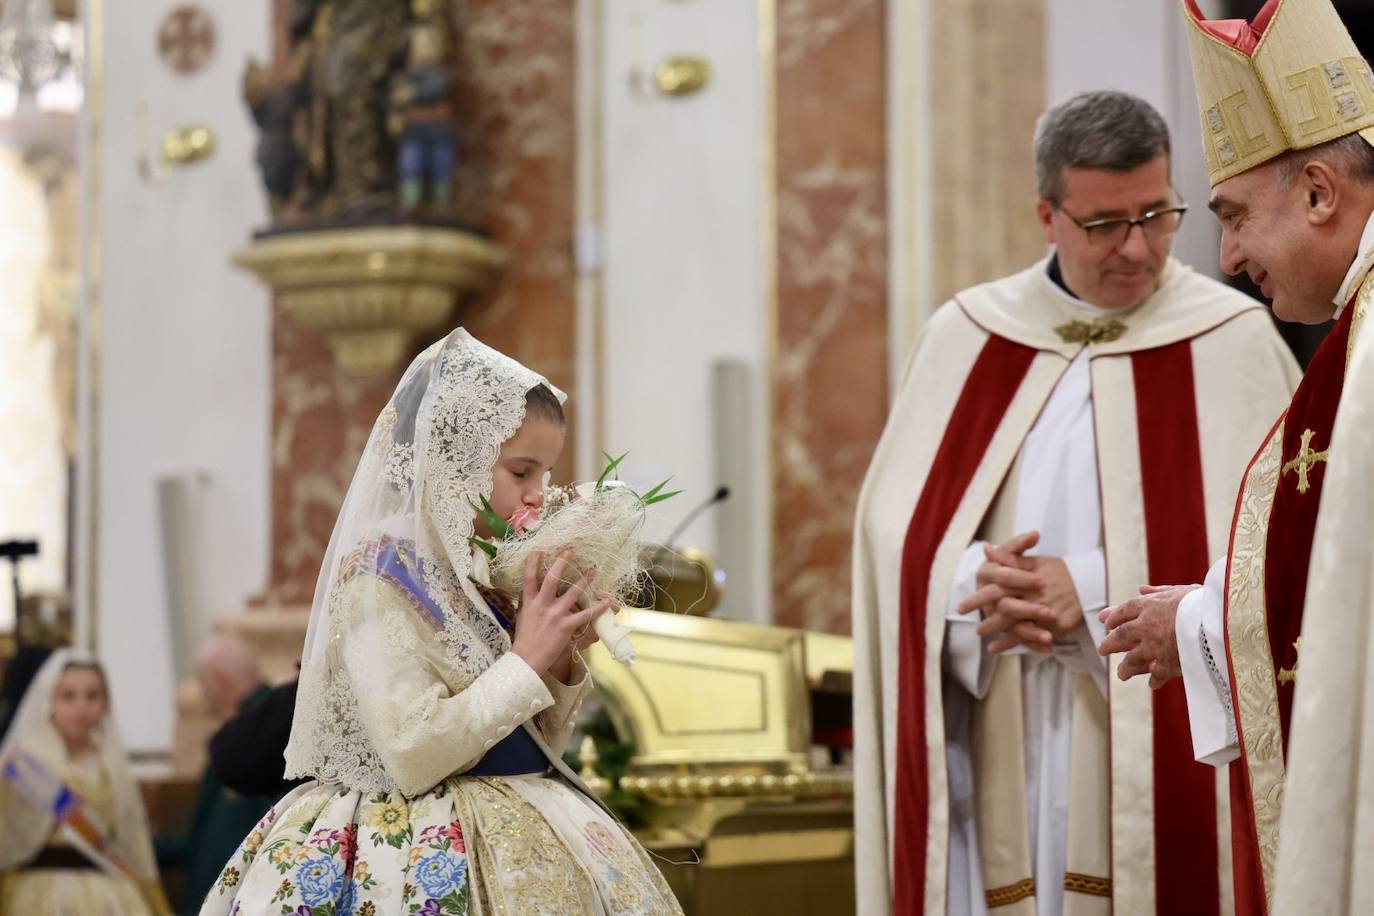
(109, 797)
(1032, 794)
(437, 750)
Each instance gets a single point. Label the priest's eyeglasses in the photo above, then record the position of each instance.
(1113, 231)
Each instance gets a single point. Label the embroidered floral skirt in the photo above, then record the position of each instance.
(513, 846)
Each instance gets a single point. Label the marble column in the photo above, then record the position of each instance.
(830, 365)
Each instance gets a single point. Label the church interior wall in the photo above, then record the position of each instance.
(1084, 51)
(185, 354)
(679, 240)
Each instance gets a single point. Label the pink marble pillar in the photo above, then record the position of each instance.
(830, 375)
(517, 127)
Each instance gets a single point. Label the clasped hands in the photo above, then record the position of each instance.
(1032, 602)
(1025, 600)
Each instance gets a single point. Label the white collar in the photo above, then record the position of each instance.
(1092, 311)
(1359, 268)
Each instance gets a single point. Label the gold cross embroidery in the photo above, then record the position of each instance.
(1289, 675)
(1305, 460)
(1099, 330)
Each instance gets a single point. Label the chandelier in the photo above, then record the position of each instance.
(34, 47)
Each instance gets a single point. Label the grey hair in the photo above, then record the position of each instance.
(1106, 130)
(1351, 156)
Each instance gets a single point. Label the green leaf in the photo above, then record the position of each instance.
(654, 492)
(495, 522)
(610, 469)
(650, 500)
(487, 548)
(655, 496)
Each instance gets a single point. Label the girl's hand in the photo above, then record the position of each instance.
(547, 622)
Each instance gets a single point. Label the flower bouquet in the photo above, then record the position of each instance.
(599, 523)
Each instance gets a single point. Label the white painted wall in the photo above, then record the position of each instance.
(682, 259)
(185, 345)
(1140, 46)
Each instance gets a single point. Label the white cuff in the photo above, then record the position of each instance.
(1078, 653)
(1201, 654)
(966, 659)
(1089, 573)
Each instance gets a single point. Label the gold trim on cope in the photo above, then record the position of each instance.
(1091, 885)
(1252, 661)
(1011, 893)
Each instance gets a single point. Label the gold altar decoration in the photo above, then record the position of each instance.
(372, 291)
(745, 805)
(682, 579)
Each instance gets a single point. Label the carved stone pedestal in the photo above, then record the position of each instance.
(372, 291)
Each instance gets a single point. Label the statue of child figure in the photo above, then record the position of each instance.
(421, 116)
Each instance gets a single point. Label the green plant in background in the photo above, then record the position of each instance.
(613, 755)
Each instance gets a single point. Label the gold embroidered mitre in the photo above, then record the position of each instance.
(1292, 79)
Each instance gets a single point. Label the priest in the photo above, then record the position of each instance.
(1288, 122)
(1059, 436)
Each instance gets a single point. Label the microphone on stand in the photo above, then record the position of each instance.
(721, 495)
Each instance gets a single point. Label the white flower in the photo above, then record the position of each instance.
(583, 490)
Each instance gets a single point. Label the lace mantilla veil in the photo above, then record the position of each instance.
(428, 462)
(26, 828)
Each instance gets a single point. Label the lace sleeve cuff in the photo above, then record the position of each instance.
(1210, 716)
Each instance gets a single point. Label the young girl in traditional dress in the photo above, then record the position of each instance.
(431, 713)
(63, 737)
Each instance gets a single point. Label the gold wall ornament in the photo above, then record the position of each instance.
(186, 39)
(372, 291)
(682, 75)
(188, 144)
(181, 146)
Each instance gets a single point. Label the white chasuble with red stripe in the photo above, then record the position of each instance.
(1183, 388)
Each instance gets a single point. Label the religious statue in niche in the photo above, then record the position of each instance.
(275, 108)
(356, 124)
(421, 117)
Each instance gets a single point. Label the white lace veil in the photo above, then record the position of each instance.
(26, 827)
(409, 512)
